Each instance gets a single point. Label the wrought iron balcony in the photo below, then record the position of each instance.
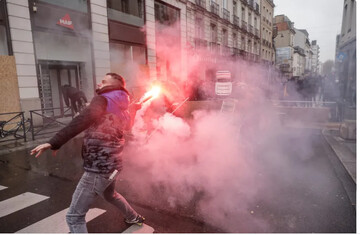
(236, 51)
(225, 50)
(226, 14)
(214, 47)
(200, 43)
(257, 34)
(201, 3)
(236, 20)
(251, 4)
(250, 29)
(257, 9)
(214, 8)
(244, 25)
(242, 46)
(244, 1)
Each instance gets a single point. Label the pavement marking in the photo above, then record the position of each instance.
(19, 202)
(2, 187)
(56, 223)
(139, 229)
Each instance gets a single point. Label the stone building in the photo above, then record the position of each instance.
(302, 41)
(225, 26)
(284, 44)
(267, 51)
(45, 44)
(346, 56)
(315, 60)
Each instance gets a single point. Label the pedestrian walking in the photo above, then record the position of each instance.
(105, 120)
(73, 96)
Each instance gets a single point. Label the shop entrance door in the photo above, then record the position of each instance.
(52, 77)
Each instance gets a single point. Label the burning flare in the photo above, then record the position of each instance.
(152, 94)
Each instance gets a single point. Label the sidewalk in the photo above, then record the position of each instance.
(13, 146)
(18, 145)
(344, 149)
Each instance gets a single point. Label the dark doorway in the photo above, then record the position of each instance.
(52, 76)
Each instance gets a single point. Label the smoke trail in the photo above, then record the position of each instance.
(216, 166)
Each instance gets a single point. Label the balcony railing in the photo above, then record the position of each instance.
(244, 25)
(236, 20)
(251, 4)
(226, 14)
(250, 29)
(244, 1)
(214, 8)
(214, 47)
(225, 50)
(200, 43)
(257, 9)
(236, 51)
(242, 46)
(257, 34)
(201, 3)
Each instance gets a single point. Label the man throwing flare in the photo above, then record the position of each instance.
(105, 120)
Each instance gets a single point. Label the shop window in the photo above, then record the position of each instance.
(213, 33)
(224, 37)
(126, 11)
(124, 53)
(168, 37)
(133, 7)
(77, 5)
(5, 43)
(166, 14)
(4, 49)
(235, 41)
(127, 60)
(199, 28)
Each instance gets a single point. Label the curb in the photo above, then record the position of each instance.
(22, 146)
(345, 156)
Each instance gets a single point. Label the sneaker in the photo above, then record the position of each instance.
(138, 220)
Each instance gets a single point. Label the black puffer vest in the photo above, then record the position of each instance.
(104, 140)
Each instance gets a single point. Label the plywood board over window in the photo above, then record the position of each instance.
(9, 89)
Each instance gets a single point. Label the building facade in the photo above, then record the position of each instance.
(315, 60)
(284, 44)
(299, 60)
(50, 43)
(346, 57)
(225, 27)
(302, 41)
(267, 52)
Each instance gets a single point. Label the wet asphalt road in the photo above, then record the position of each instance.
(312, 199)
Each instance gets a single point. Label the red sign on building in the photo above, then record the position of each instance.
(66, 22)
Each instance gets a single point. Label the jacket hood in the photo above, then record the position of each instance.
(111, 88)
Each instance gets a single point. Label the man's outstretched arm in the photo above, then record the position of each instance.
(91, 114)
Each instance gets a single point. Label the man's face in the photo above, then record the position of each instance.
(107, 81)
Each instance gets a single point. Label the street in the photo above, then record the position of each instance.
(304, 192)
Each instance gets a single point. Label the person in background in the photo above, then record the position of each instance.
(105, 121)
(74, 96)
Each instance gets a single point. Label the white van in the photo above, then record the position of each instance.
(223, 84)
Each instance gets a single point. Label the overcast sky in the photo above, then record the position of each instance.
(321, 18)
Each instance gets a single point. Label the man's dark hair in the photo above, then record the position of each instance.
(117, 77)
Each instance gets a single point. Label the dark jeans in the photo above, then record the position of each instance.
(90, 186)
